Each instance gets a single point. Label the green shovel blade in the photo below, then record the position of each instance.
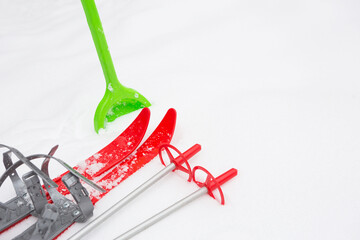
(116, 104)
(118, 99)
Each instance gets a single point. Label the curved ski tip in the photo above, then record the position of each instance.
(146, 111)
(144, 115)
(171, 111)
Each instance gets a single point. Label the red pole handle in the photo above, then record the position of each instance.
(223, 178)
(188, 154)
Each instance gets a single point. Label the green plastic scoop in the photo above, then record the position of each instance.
(118, 99)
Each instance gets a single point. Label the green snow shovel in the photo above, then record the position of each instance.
(118, 99)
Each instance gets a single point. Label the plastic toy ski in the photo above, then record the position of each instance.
(113, 153)
(123, 169)
(111, 165)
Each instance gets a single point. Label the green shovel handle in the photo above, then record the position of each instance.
(102, 49)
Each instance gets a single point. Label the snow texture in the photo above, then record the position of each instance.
(268, 87)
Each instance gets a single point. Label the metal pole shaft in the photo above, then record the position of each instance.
(97, 221)
(154, 219)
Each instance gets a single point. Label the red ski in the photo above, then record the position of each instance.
(113, 153)
(123, 168)
(113, 164)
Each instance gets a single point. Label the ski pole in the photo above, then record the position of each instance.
(174, 165)
(207, 187)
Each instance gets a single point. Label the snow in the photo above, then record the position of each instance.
(268, 87)
(94, 168)
(110, 87)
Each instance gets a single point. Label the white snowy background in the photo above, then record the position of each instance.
(271, 88)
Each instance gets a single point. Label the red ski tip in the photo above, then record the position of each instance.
(124, 145)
